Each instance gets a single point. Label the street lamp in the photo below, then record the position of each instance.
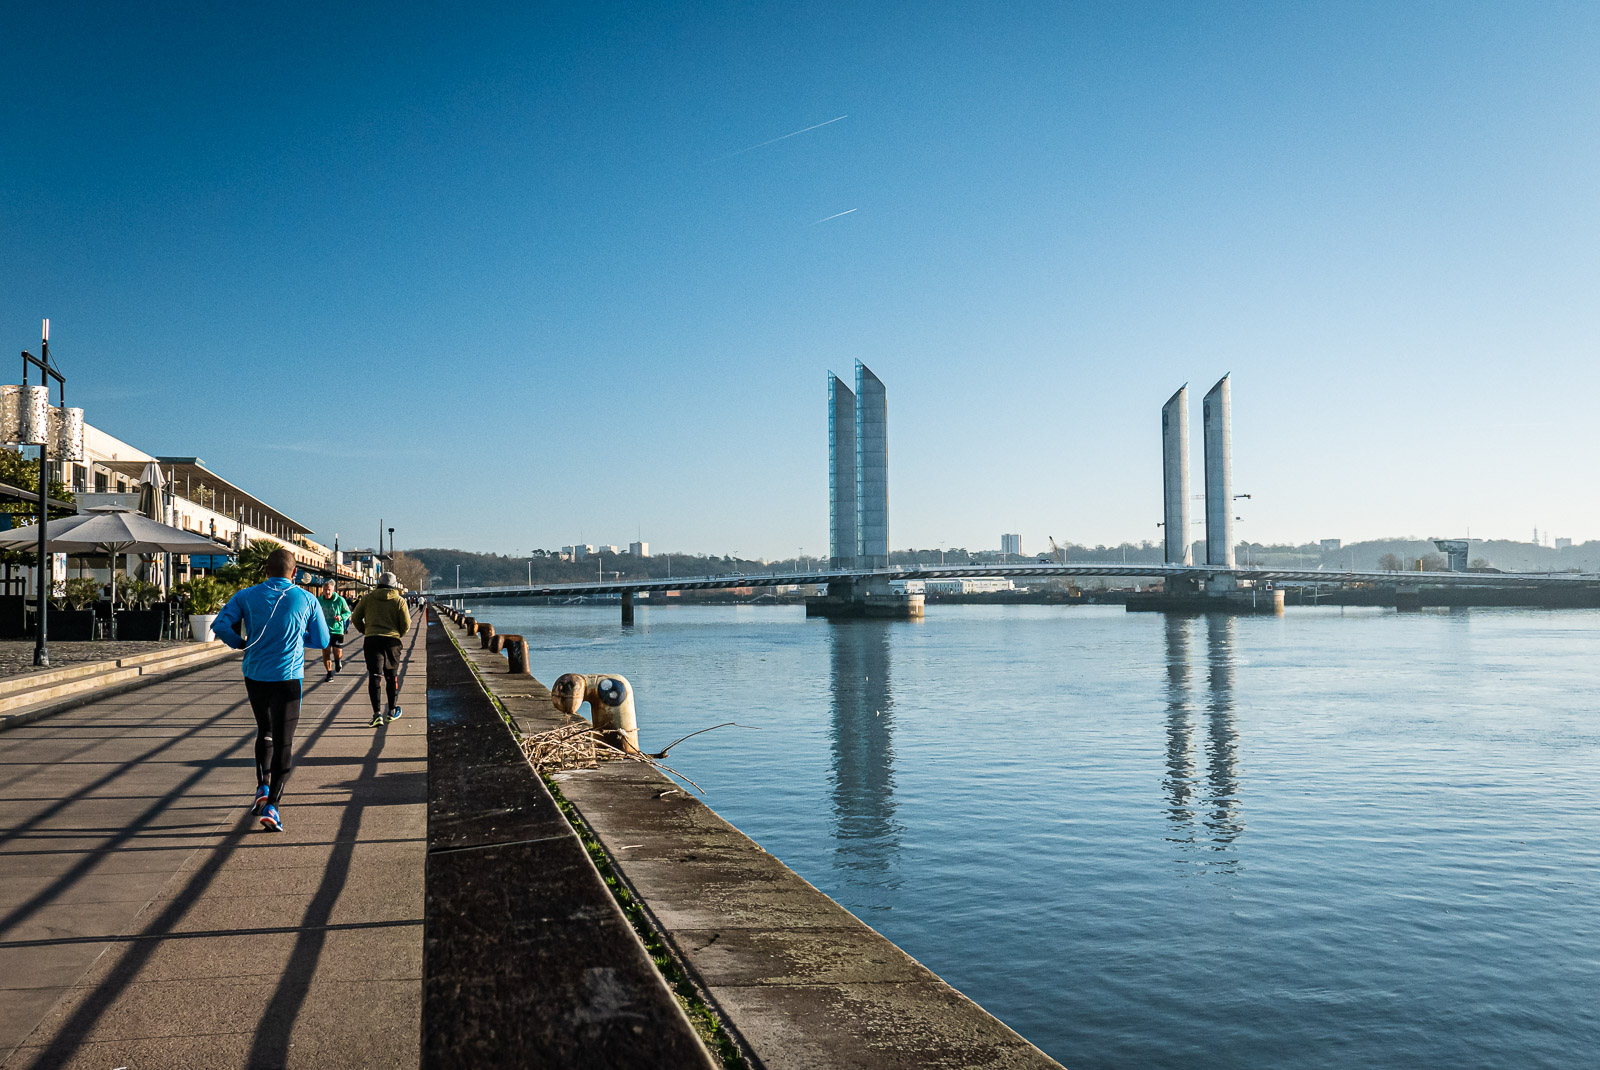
(28, 419)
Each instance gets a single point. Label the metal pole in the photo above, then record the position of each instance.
(41, 642)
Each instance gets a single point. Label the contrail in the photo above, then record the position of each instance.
(797, 133)
(835, 215)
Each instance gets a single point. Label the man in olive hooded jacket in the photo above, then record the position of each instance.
(382, 617)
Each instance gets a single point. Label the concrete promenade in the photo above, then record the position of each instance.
(147, 921)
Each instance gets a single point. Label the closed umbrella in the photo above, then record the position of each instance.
(108, 529)
(152, 502)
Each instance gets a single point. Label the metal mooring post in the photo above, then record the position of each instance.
(627, 608)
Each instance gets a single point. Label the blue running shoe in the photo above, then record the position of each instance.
(394, 714)
(270, 820)
(261, 798)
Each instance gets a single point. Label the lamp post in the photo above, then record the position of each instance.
(35, 422)
(391, 544)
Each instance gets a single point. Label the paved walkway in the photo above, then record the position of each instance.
(146, 920)
(16, 655)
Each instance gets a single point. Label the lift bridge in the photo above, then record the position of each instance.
(1199, 575)
(861, 582)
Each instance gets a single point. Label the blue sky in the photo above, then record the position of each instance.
(504, 277)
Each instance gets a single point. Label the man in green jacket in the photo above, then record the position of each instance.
(383, 619)
(336, 611)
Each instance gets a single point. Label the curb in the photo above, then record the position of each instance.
(17, 720)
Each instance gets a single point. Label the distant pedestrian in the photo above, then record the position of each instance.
(280, 620)
(336, 611)
(384, 620)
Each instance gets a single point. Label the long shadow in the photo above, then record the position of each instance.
(270, 1045)
(100, 782)
(77, 872)
(73, 1032)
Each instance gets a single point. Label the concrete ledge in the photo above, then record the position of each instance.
(136, 678)
(804, 983)
(527, 959)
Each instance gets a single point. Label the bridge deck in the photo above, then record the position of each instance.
(1039, 570)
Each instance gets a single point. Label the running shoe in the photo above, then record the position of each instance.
(329, 680)
(377, 720)
(261, 798)
(394, 714)
(270, 819)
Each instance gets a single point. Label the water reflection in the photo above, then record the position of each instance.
(866, 833)
(1202, 806)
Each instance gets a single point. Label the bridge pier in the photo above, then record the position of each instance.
(627, 609)
(865, 598)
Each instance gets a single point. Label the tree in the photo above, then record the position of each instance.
(251, 568)
(1433, 563)
(409, 570)
(1391, 563)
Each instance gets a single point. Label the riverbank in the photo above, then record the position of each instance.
(798, 980)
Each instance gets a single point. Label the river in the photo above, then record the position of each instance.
(1329, 839)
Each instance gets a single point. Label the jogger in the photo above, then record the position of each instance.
(382, 617)
(336, 611)
(281, 620)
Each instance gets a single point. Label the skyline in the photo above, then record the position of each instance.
(259, 234)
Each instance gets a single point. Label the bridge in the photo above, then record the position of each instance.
(859, 576)
(1173, 575)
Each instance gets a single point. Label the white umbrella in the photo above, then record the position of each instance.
(108, 529)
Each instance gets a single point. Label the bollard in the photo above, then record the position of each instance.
(485, 633)
(610, 699)
(516, 651)
(471, 624)
(627, 609)
(497, 643)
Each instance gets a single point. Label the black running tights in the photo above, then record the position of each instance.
(276, 704)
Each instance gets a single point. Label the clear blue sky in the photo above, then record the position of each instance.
(503, 276)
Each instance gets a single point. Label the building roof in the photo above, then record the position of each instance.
(188, 473)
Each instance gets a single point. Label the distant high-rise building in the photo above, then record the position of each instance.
(1561, 544)
(1330, 545)
(583, 551)
(607, 548)
(872, 468)
(1175, 477)
(843, 534)
(1217, 417)
(639, 549)
(1011, 544)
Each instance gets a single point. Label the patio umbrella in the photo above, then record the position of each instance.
(112, 530)
(152, 502)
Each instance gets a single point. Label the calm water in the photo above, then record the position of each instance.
(1332, 839)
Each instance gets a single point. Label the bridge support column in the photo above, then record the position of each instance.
(865, 598)
(627, 609)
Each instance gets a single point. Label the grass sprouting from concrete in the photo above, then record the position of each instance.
(702, 1016)
(707, 1023)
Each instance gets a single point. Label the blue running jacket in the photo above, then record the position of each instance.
(281, 620)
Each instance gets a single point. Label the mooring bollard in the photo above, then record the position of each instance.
(471, 624)
(516, 651)
(496, 643)
(610, 699)
(485, 633)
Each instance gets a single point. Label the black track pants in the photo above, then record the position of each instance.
(383, 663)
(276, 704)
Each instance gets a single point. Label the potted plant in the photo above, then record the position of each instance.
(76, 623)
(139, 623)
(202, 597)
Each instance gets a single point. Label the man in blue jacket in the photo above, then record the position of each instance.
(280, 620)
